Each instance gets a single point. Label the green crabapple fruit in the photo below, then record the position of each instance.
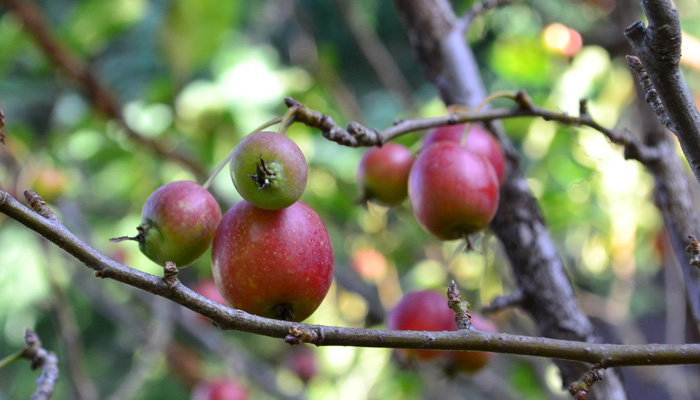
(269, 170)
(178, 222)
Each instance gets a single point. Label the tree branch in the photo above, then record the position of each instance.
(46, 360)
(658, 46)
(356, 135)
(608, 355)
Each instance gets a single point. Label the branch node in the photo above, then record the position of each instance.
(39, 205)
(694, 250)
(459, 306)
(170, 274)
(355, 135)
(298, 335)
(650, 94)
(582, 387)
(523, 100)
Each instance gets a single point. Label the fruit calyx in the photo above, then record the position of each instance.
(263, 175)
(284, 311)
(140, 237)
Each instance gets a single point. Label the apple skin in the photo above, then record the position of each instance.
(424, 310)
(473, 361)
(427, 310)
(273, 263)
(479, 141)
(303, 363)
(220, 389)
(282, 157)
(453, 192)
(178, 222)
(382, 174)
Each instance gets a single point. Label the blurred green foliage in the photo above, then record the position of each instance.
(199, 75)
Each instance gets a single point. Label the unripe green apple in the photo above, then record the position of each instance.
(178, 222)
(269, 170)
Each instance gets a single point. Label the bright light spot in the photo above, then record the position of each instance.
(562, 39)
(149, 120)
(352, 307)
(595, 255)
(375, 219)
(428, 273)
(690, 50)
(321, 182)
(536, 187)
(251, 82)
(553, 378)
(468, 269)
(538, 139)
(339, 359)
(594, 144)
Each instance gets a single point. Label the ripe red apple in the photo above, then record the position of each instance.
(453, 191)
(269, 170)
(302, 362)
(382, 175)
(425, 310)
(178, 222)
(273, 263)
(479, 141)
(473, 361)
(220, 389)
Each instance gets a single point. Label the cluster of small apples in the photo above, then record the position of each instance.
(271, 253)
(427, 310)
(453, 188)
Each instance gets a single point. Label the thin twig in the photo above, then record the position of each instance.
(46, 360)
(609, 355)
(2, 125)
(502, 302)
(356, 135)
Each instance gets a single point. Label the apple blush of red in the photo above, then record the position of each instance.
(479, 141)
(453, 192)
(425, 310)
(273, 263)
(473, 361)
(382, 174)
(178, 222)
(220, 389)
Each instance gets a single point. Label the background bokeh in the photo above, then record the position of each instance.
(197, 76)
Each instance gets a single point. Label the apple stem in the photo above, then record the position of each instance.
(230, 155)
(124, 238)
(507, 94)
(288, 119)
(284, 311)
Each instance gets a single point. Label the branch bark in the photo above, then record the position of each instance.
(608, 355)
(519, 224)
(658, 46)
